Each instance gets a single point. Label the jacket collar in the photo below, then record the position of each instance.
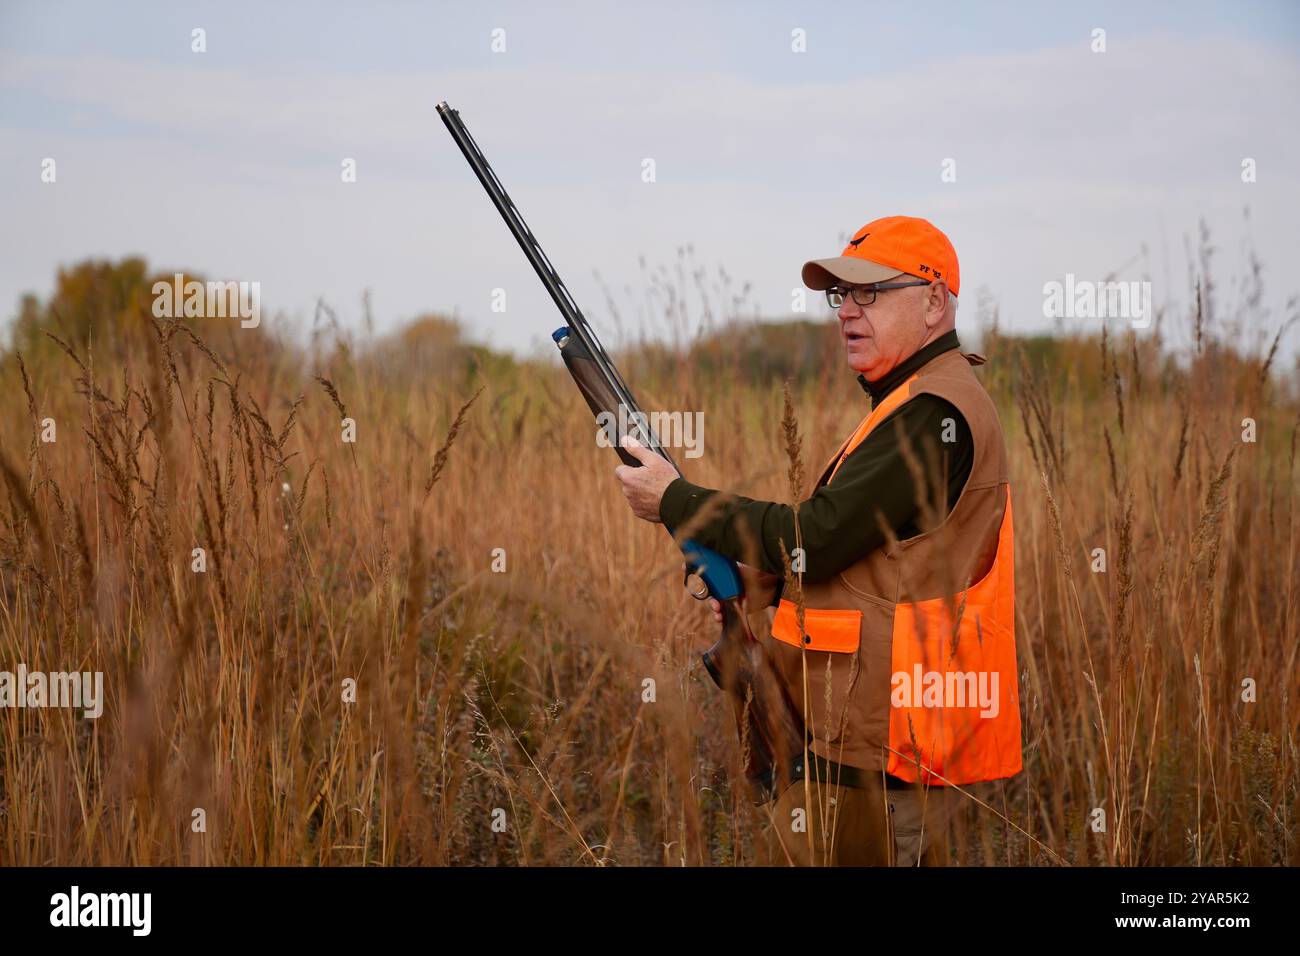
(900, 373)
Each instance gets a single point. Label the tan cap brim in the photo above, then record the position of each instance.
(821, 274)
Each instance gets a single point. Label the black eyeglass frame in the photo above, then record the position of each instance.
(870, 288)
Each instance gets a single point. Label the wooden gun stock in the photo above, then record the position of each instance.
(770, 728)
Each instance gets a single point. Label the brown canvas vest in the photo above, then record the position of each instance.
(910, 653)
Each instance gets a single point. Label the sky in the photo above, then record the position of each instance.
(228, 162)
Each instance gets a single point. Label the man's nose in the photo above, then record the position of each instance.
(849, 309)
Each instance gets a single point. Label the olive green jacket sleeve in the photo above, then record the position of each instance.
(843, 521)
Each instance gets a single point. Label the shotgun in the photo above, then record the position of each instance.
(771, 730)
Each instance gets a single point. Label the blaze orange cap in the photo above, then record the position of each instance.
(887, 248)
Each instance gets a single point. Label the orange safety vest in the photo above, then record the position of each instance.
(909, 655)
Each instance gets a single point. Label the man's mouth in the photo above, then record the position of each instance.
(854, 336)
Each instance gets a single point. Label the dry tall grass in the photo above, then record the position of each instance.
(518, 696)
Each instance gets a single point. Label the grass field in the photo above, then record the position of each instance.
(497, 716)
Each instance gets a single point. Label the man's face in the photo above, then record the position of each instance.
(879, 336)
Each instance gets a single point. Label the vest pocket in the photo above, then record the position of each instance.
(825, 629)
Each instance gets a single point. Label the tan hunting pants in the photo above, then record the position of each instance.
(851, 826)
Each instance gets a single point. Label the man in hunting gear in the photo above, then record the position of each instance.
(904, 666)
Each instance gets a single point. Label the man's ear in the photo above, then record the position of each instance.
(936, 303)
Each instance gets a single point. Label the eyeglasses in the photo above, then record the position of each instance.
(865, 294)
